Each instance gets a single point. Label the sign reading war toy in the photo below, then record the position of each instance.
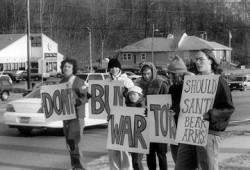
(128, 130)
(104, 95)
(198, 95)
(162, 128)
(57, 102)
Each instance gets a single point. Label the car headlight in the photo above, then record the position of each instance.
(10, 108)
(229, 84)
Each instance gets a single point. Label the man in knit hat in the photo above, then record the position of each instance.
(176, 70)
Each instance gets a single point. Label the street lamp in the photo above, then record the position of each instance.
(152, 47)
(90, 49)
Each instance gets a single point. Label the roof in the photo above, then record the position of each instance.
(181, 43)
(145, 45)
(196, 43)
(7, 39)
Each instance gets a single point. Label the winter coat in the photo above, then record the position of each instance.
(156, 86)
(80, 94)
(219, 116)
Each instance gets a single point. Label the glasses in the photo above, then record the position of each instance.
(200, 59)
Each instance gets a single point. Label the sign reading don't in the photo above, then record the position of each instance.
(57, 102)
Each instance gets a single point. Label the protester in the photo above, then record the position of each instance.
(176, 71)
(119, 160)
(134, 98)
(152, 84)
(206, 157)
(73, 129)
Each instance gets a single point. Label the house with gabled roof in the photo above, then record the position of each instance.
(44, 57)
(161, 51)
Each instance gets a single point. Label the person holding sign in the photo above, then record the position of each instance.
(176, 70)
(152, 84)
(134, 98)
(206, 157)
(119, 159)
(73, 129)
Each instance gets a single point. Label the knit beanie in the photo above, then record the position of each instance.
(114, 63)
(135, 89)
(177, 65)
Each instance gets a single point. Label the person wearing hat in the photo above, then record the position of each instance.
(176, 71)
(135, 98)
(153, 84)
(119, 159)
(206, 157)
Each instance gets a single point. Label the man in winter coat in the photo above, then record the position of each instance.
(152, 84)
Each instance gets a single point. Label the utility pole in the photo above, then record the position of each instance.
(152, 47)
(28, 44)
(102, 51)
(90, 49)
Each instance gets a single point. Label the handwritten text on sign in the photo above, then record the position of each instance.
(160, 121)
(197, 98)
(57, 102)
(128, 130)
(104, 94)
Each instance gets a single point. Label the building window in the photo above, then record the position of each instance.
(36, 41)
(186, 55)
(127, 56)
(143, 56)
(171, 56)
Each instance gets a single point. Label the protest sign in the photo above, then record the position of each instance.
(128, 130)
(104, 94)
(160, 121)
(198, 95)
(57, 102)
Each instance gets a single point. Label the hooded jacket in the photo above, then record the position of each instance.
(157, 85)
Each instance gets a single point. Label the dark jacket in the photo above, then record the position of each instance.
(156, 86)
(80, 94)
(223, 108)
(139, 103)
(176, 92)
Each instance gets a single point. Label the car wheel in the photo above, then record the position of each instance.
(36, 78)
(245, 88)
(25, 130)
(59, 76)
(4, 95)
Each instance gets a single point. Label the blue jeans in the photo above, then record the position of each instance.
(191, 157)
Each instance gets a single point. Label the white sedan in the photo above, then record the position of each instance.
(26, 114)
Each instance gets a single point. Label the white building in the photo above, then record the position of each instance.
(44, 58)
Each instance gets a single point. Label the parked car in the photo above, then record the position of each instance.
(241, 83)
(27, 113)
(35, 76)
(15, 77)
(93, 76)
(5, 87)
(101, 70)
(132, 75)
(134, 70)
(56, 74)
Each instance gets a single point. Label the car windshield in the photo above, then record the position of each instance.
(34, 94)
(240, 79)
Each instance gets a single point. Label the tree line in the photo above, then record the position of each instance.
(116, 23)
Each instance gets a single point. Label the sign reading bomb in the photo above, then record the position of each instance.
(128, 130)
(104, 94)
(160, 121)
(198, 95)
(57, 102)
